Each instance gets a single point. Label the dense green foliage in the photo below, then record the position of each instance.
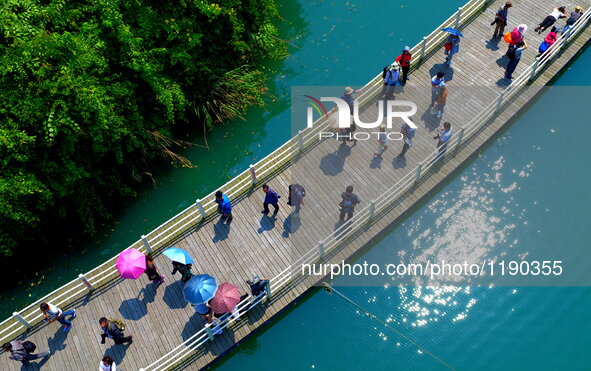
(95, 91)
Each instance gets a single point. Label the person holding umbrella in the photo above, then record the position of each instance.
(181, 262)
(452, 47)
(200, 289)
(131, 263)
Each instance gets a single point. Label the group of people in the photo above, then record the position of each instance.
(516, 38)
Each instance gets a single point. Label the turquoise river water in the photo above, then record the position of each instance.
(526, 189)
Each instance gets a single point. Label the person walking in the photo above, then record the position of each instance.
(437, 81)
(440, 102)
(501, 18)
(23, 351)
(514, 58)
(454, 45)
(296, 197)
(382, 142)
(151, 270)
(443, 136)
(556, 14)
(108, 364)
(348, 202)
(574, 17)
(271, 198)
(114, 330)
(403, 61)
(408, 131)
(184, 269)
(51, 313)
(224, 207)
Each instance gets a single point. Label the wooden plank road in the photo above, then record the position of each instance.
(158, 317)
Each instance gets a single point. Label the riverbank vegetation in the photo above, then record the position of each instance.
(98, 93)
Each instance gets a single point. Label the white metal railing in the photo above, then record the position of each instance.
(159, 237)
(387, 198)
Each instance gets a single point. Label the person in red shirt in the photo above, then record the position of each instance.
(404, 62)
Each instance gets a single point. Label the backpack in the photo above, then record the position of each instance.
(300, 188)
(385, 72)
(119, 324)
(29, 346)
(511, 52)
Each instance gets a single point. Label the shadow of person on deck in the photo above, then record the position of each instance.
(173, 295)
(376, 162)
(133, 309)
(267, 223)
(290, 225)
(493, 43)
(56, 343)
(221, 230)
(117, 352)
(441, 67)
(333, 163)
(399, 163)
(431, 122)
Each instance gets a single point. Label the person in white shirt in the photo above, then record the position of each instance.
(107, 364)
(51, 313)
(556, 14)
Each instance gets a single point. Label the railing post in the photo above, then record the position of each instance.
(201, 209)
(321, 250)
(146, 244)
(300, 141)
(268, 290)
(500, 101)
(460, 136)
(253, 174)
(423, 47)
(209, 332)
(534, 68)
(21, 319)
(372, 209)
(85, 282)
(458, 17)
(419, 169)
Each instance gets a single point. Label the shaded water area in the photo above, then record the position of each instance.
(330, 43)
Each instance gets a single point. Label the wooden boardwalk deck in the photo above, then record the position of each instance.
(159, 318)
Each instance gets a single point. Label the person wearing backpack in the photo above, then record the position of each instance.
(391, 76)
(347, 205)
(514, 55)
(23, 351)
(113, 329)
(297, 192)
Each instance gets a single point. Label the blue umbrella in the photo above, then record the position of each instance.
(178, 255)
(452, 31)
(200, 289)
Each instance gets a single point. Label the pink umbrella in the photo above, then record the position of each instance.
(225, 298)
(131, 263)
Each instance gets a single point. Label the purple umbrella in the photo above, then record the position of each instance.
(131, 263)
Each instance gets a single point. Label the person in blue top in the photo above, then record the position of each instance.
(224, 207)
(443, 135)
(514, 58)
(454, 41)
(271, 198)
